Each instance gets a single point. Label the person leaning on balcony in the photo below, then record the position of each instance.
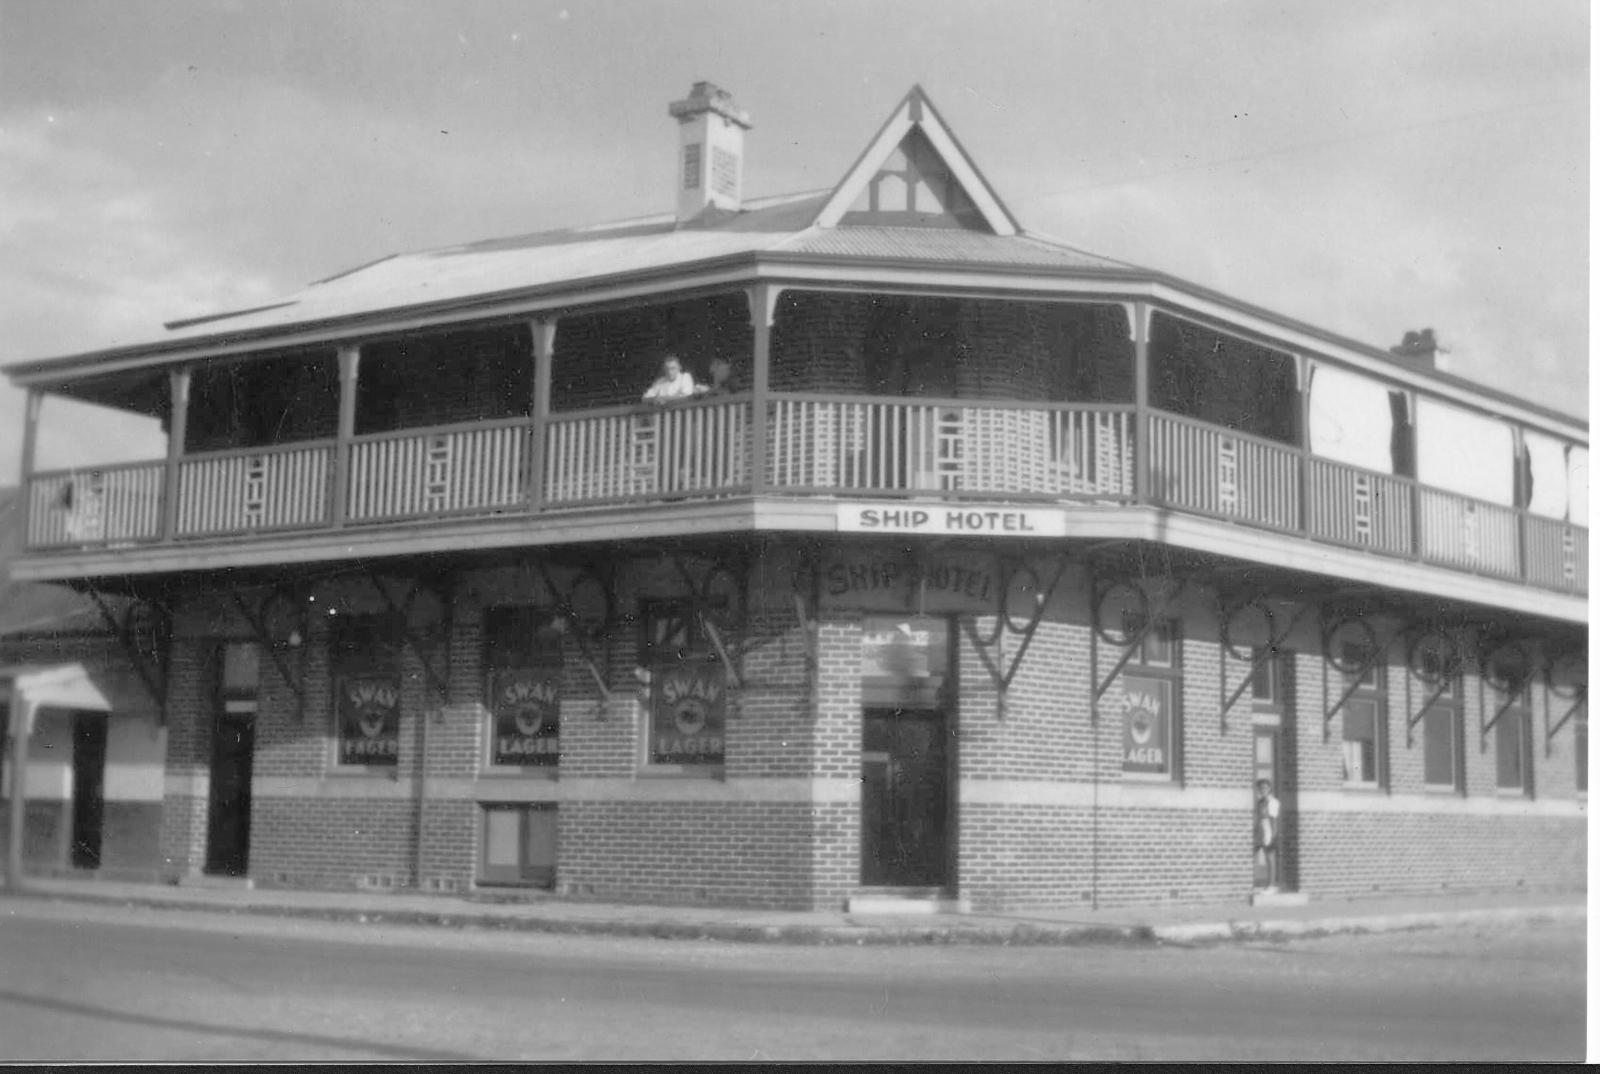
(721, 369)
(674, 382)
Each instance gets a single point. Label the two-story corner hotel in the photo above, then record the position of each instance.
(996, 574)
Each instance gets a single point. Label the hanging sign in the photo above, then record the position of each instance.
(369, 720)
(527, 714)
(687, 713)
(964, 520)
(1146, 724)
(931, 584)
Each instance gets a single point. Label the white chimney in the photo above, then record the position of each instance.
(710, 150)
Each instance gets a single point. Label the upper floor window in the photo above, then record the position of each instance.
(687, 718)
(522, 666)
(1365, 717)
(1151, 687)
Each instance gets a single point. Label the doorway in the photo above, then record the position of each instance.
(904, 798)
(88, 789)
(228, 828)
(1267, 788)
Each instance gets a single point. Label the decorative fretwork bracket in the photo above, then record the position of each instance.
(1337, 625)
(1234, 617)
(1137, 608)
(281, 625)
(1020, 606)
(1567, 677)
(717, 601)
(1507, 667)
(1439, 673)
(586, 609)
(442, 590)
(144, 630)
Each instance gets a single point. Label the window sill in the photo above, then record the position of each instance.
(350, 771)
(507, 771)
(1442, 789)
(1512, 792)
(1151, 779)
(1365, 788)
(680, 772)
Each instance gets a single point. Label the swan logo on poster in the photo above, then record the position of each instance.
(1146, 723)
(371, 720)
(527, 718)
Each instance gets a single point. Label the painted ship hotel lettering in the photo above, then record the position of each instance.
(985, 572)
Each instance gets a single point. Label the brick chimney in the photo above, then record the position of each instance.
(1419, 348)
(710, 150)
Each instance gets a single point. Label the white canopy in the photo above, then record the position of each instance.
(61, 686)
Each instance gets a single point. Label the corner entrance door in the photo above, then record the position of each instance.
(1267, 790)
(88, 789)
(904, 801)
(228, 830)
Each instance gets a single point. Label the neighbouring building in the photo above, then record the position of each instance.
(996, 574)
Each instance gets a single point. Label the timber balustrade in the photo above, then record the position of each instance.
(816, 445)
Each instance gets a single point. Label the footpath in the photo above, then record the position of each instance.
(553, 914)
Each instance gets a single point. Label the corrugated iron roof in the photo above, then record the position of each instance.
(573, 255)
(944, 246)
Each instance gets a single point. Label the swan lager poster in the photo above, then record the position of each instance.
(1146, 724)
(687, 709)
(369, 720)
(527, 713)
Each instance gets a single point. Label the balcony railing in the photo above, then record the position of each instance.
(815, 445)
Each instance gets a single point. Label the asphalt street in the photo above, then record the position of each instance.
(81, 982)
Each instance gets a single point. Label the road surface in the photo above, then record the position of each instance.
(80, 982)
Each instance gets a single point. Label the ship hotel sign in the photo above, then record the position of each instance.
(956, 520)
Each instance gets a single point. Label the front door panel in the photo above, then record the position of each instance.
(228, 830)
(904, 801)
(88, 789)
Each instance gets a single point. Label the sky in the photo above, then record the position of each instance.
(1368, 166)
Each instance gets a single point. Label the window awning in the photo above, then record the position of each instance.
(62, 686)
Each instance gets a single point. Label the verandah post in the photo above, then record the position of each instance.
(544, 342)
(30, 439)
(1140, 330)
(177, 433)
(763, 298)
(349, 370)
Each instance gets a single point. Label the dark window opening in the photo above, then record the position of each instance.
(610, 358)
(1199, 373)
(422, 381)
(262, 402)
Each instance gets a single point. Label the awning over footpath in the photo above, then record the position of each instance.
(30, 687)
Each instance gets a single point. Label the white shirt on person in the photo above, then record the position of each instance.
(680, 387)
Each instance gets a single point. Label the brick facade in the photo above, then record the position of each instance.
(1043, 813)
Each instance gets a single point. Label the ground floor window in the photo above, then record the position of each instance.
(519, 844)
(1362, 748)
(1580, 736)
(1441, 753)
(1511, 750)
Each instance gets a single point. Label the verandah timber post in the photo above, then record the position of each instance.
(30, 438)
(763, 299)
(177, 433)
(349, 370)
(1140, 315)
(544, 343)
